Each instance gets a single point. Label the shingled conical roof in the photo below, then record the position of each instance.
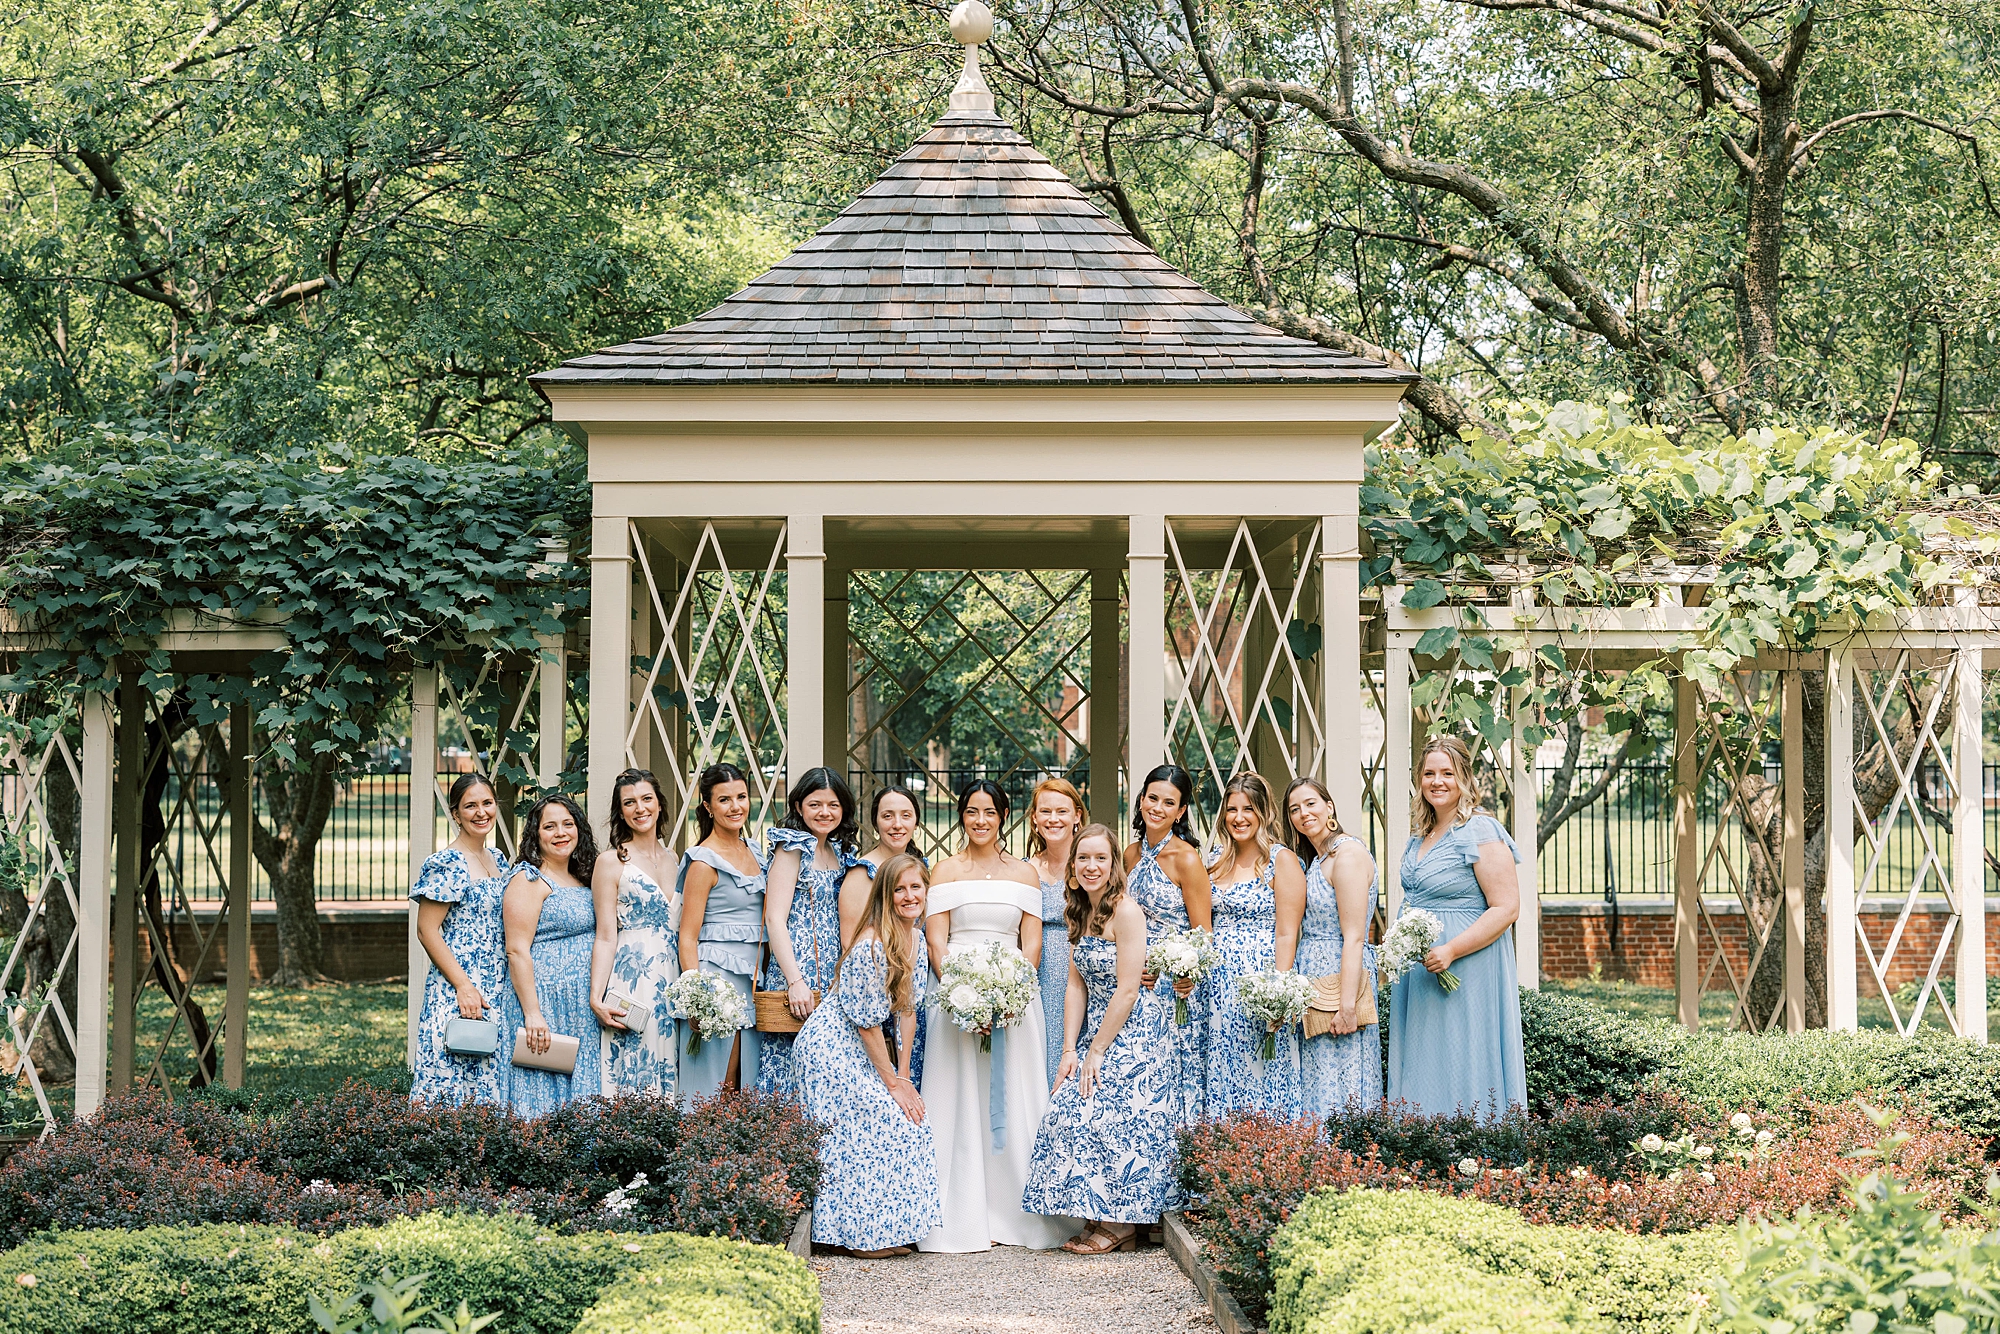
(972, 260)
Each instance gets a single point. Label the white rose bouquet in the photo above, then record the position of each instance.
(1408, 941)
(711, 1006)
(987, 987)
(1279, 999)
(1188, 955)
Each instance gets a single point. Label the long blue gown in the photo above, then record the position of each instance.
(1457, 1051)
(878, 1184)
(473, 934)
(1336, 1071)
(1053, 971)
(561, 954)
(1166, 912)
(1239, 1078)
(813, 922)
(727, 946)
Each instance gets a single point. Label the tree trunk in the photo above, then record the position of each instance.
(300, 798)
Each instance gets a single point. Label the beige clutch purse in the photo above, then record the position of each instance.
(559, 1059)
(1326, 1004)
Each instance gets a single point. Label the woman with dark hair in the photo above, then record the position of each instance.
(892, 814)
(458, 895)
(812, 858)
(550, 924)
(1342, 1067)
(636, 956)
(1165, 877)
(721, 887)
(1258, 897)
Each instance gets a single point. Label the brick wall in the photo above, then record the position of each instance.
(363, 943)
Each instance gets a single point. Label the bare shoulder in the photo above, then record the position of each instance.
(1179, 854)
(1132, 855)
(948, 869)
(1352, 852)
(1286, 862)
(1022, 872)
(1127, 913)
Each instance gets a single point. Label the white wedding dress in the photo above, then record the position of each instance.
(981, 1187)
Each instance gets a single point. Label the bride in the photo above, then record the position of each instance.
(985, 1139)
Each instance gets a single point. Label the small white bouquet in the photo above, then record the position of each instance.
(1189, 956)
(986, 987)
(712, 1007)
(1408, 941)
(1279, 999)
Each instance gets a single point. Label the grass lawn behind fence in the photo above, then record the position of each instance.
(301, 1040)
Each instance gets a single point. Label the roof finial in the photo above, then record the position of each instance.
(971, 24)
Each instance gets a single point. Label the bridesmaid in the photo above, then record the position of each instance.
(550, 925)
(1259, 898)
(637, 952)
(812, 860)
(721, 887)
(1055, 813)
(458, 896)
(1459, 1051)
(1342, 1069)
(1164, 875)
(1106, 1149)
(878, 1185)
(892, 813)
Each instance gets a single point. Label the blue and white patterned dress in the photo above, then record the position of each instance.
(878, 1184)
(561, 953)
(641, 1058)
(1246, 935)
(1054, 970)
(473, 934)
(1111, 1157)
(727, 946)
(1336, 1070)
(813, 923)
(1166, 912)
(876, 859)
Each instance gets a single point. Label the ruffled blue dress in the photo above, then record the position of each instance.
(878, 1184)
(1239, 1078)
(1053, 971)
(1336, 1071)
(473, 933)
(727, 946)
(1460, 1051)
(813, 922)
(1166, 912)
(561, 954)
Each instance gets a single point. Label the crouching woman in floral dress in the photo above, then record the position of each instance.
(878, 1186)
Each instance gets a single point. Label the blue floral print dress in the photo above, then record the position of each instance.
(640, 1059)
(561, 954)
(1166, 912)
(1111, 1156)
(1053, 971)
(727, 946)
(1246, 936)
(813, 923)
(873, 863)
(473, 934)
(878, 1184)
(1337, 1071)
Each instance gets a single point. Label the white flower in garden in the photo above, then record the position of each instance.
(1674, 1175)
(319, 1187)
(1579, 1173)
(1740, 1123)
(1652, 1144)
(1468, 1167)
(1704, 1153)
(1708, 1178)
(1764, 1137)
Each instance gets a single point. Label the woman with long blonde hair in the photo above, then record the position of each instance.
(1258, 896)
(1055, 813)
(878, 1185)
(1340, 1067)
(1459, 1050)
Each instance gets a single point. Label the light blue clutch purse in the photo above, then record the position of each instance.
(471, 1037)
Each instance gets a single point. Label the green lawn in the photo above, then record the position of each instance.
(301, 1040)
(1642, 1002)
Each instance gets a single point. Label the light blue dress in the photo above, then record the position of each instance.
(1239, 1078)
(1053, 971)
(1166, 912)
(640, 1059)
(1336, 1071)
(878, 1183)
(1111, 1157)
(561, 954)
(727, 946)
(472, 932)
(813, 923)
(1460, 1051)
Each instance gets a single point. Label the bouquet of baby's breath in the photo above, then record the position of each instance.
(712, 1007)
(1279, 999)
(1413, 936)
(986, 987)
(1188, 955)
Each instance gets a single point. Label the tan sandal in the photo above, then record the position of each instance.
(1101, 1241)
(885, 1253)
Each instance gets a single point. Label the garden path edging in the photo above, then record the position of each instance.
(1186, 1253)
(800, 1243)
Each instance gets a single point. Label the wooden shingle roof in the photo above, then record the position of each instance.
(971, 260)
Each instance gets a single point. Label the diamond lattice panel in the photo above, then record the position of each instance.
(41, 907)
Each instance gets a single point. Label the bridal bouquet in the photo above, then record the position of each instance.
(1279, 999)
(1188, 955)
(987, 987)
(712, 1007)
(1408, 941)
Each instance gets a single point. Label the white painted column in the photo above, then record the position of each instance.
(423, 826)
(1842, 969)
(1395, 775)
(93, 918)
(1968, 834)
(1794, 747)
(242, 820)
(610, 656)
(1687, 853)
(1340, 674)
(805, 644)
(1146, 589)
(1105, 733)
(1528, 929)
(549, 727)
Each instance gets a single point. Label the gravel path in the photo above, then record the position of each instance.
(1008, 1290)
